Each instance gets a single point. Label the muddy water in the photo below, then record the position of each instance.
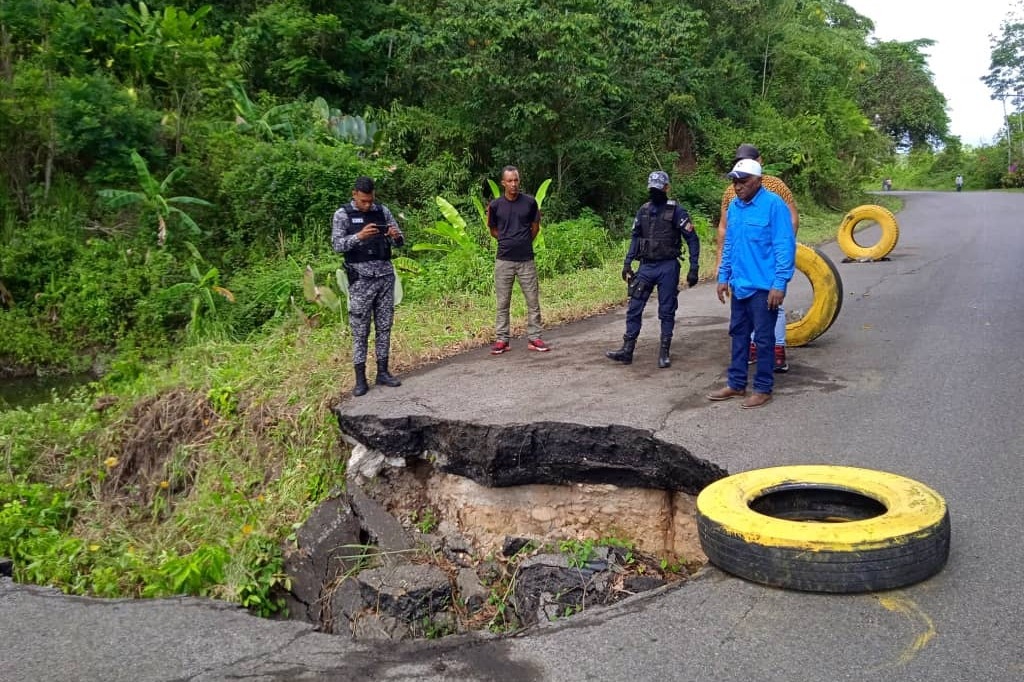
(28, 391)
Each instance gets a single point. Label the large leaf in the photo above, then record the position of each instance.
(187, 219)
(117, 198)
(146, 181)
(542, 192)
(309, 284)
(189, 200)
(428, 246)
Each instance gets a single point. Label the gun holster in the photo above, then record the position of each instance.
(640, 288)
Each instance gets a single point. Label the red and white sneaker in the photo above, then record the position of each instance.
(538, 345)
(500, 347)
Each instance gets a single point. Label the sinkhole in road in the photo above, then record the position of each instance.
(502, 526)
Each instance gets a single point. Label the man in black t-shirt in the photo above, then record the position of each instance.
(514, 220)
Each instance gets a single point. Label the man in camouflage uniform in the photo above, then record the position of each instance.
(775, 186)
(365, 232)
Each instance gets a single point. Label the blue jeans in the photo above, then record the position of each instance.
(748, 315)
(780, 328)
(665, 275)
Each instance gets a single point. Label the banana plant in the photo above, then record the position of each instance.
(353, 129)
(539, 195)
(203, 316)
(325, 297)
(452, 231)
(265, 125)
(152, 198)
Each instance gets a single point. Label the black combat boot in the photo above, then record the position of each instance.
(663, 359)
(624, 354)
(361, 386)
(385, 378)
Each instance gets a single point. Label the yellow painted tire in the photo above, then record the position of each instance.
(885, 219)
(824, 528)
(828, 296)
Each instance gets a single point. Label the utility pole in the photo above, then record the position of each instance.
(1009, 134)
(1017, 99)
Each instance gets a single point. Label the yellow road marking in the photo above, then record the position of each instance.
(914, 614)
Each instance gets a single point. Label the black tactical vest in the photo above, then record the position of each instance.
(375, 248)
(659, 237)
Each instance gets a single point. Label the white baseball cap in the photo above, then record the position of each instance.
(745, 168)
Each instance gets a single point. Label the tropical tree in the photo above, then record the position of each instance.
(171, 52)
(153, 200)
(573, 92)
(1006, 72)
(901, 99)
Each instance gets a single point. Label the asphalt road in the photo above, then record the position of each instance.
(918, 376)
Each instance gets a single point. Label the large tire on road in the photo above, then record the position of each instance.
(828, 296)
(885, 219)
(824, 528)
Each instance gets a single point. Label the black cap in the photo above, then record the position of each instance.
(747, 151)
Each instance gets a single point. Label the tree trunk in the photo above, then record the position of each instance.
(6, 55)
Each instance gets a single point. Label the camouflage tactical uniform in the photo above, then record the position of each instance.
(372, 293)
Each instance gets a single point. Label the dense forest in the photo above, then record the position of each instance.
(168, 171)
(158, 158)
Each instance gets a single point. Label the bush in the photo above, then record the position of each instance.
(99, 125)
(112, 289)
(573, 245)
(274, 189)
(264, 293)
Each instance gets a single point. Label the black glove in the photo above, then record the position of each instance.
(627, 273)
(691, 277)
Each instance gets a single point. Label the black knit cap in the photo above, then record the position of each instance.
(746, 151)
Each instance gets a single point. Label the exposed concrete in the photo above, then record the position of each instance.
(657, 521)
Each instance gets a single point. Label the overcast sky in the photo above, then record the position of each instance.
(960, 57)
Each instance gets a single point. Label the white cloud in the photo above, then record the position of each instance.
(959, 58)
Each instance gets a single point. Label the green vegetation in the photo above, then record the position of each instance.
(168, 173)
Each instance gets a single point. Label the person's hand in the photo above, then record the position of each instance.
(775, 297)
(723, 292)
(627, 274)
(368, 232)
(691, 277)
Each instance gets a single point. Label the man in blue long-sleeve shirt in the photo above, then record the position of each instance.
(757, 264)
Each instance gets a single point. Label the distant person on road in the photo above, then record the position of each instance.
(757, 264)
(887, 184)
(514, 220)
(959, 182)
(659, 228)
(776, 186)
(365, 232)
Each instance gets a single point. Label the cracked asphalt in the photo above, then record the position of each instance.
(919, 376)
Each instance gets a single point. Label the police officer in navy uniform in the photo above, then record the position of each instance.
(659, 229)
(365, 232)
